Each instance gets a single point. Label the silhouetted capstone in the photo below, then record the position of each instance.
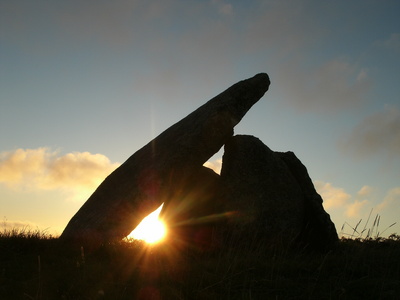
(144, 181)
(274, 197)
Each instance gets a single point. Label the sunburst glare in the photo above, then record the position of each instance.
(151, 230)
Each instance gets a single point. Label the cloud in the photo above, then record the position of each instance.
(392, 198)
(111, 24)
(123, 24)
(343, 206)
(378, 133)
(333, 197)
(353, 210)
(346, 209)
(328, 87)
(365, 191)
(338, 199)
(392, 43)
(173, 41)
(102, 21)
(49, 170)
(286, 27)
(225, 9)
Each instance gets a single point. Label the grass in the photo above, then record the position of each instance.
(371, 233)
(35, 265)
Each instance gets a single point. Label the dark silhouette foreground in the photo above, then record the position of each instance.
(146, 179)
(261, 195)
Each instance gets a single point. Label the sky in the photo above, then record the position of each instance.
(85, 84)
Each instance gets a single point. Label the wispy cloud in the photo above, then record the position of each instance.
(224, 8)
(391, 43)
(378, 133)
(357, 206)
(43, 169)
(206, 40)
(279, 26)
(365, 191)
(336, 198)
(354, 209)
(392, 198)
(329, 87)
(111, 24)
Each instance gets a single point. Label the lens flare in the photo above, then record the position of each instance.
(151, 230)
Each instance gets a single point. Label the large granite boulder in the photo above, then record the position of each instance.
(147, 178)
(265, 196)
(318, 231)
(274, 197)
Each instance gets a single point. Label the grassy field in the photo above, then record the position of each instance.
(34, 265)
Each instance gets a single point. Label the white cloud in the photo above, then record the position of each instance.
(376, 134)
(338, 199)
(354, 210)
(365, 191)
(42, 169)
(345, 208)
(21, 163)
(333, 197)
(392, 198)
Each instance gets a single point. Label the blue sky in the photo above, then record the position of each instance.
(84, 84)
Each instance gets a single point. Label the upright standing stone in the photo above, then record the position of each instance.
(274, 196)
(263, 192)
(318, 231)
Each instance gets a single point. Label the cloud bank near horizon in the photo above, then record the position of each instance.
(43, 169)
(77, 174)
(359, 205)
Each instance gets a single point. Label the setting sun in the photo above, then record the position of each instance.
(151, 229)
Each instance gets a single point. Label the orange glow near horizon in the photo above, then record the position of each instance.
(151, 230)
